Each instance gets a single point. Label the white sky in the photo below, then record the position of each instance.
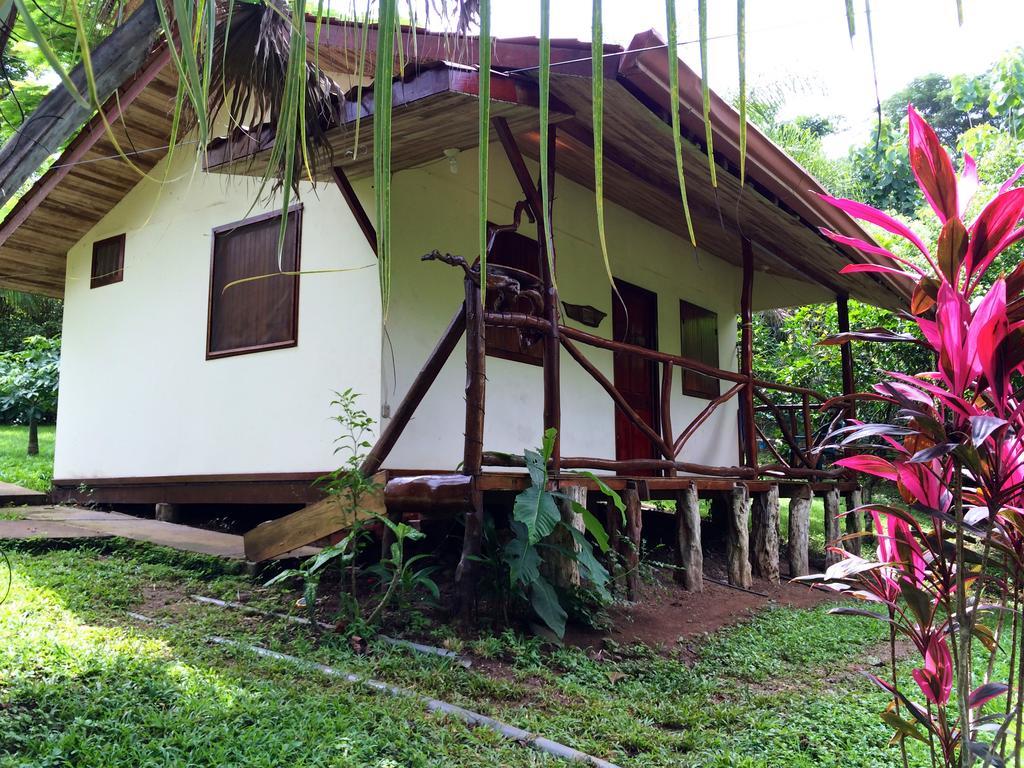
(805, 44)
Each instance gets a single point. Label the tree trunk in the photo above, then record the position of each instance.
(738, 541)
(832, 533)
(59, 115)
(799, 531)
(765, 525)
(33, 434)
(689, 556)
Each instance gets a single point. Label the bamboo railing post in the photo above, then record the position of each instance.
(747, 353)
(846, 353)
(805, 406)
(472, 460)
(666, 409)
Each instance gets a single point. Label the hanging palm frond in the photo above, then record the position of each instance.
(360, 77)
(851, 22)
(597, 101)
(545, 131)
(673, 88)
(483, 171)
(705, 90)
(382, 100)
(741, 49)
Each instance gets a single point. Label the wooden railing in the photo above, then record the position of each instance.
(669, 443)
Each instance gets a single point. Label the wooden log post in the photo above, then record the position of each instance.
(747, 355)
(559, 567)
(764, 555)
(737, 551)
(854, 522)
(689, 554)
(799, 534)
(472, 461)
(613, 521)
(630, 544)
(846, 354)
(832, 533)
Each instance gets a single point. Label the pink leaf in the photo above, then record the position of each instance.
(991, 230)
(878, 218)
(985, 693)
(1013, 178)
(932, 167)
(869, 465)
(967, 184)
(880, 268)
(989, 327)
(864, 245)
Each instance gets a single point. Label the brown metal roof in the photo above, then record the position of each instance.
(777, 209)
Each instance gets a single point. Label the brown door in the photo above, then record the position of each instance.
(635, 378)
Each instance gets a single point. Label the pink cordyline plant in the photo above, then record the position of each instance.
(951, 553)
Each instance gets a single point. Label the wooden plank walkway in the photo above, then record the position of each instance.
(70, 522)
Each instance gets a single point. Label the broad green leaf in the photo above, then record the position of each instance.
(606, 490)
(673, 88)
(544, 601)
(585, 557)
(593, 525)
(550, 435)
(536, 509)
(484, 139)
(523, 560)
(536, 465)
(705, 89)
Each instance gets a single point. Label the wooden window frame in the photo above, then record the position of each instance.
(115, 276)
(247, 350)
(713, 388)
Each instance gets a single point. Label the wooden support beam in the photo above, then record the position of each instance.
(831, 526)
(747, 355)
(689, 554)
(765, 528)
(417, 391)
(799, 535)
(354, 205)
(738, 538)
(854, 523)
(667, 436)
(559, 567)
(630, 545)
(846, 352)
(613, 522)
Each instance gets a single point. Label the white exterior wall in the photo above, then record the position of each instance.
(436, 209)
(138, 396)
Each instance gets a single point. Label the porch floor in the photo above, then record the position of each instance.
(54, 522)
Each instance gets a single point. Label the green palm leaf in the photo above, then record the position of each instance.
(597, 101)
(382, 99)
(705, 90)
(851, 22)
(485, 135)
(741, 49)
(673, 88)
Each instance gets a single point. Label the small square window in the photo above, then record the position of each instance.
(107, 261)
(247, 315)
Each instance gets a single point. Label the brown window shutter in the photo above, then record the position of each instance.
(698, 330)
(261, 313)
(107, 261)
(519, 252)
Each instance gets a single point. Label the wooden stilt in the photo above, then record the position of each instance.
(738, 541)
(562, 570)
(831, 526)
(799, 531)
(613, 522)
(765, 527)
(854, 522)
(689, 555)
(631, 544)
(465, 574)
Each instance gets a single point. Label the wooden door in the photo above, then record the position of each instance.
(636, 378)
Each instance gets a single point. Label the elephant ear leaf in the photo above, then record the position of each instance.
(535, 508)
(544, 601)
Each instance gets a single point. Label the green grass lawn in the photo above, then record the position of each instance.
(82, 684)
(16, 466)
